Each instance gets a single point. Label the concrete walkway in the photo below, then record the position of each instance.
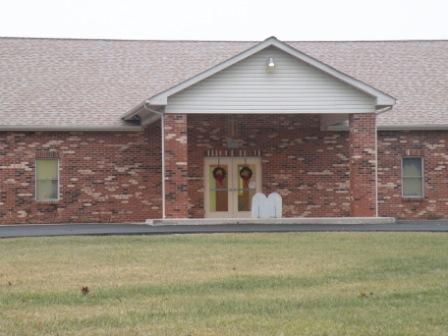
(142, 229)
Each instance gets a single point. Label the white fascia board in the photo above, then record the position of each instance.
(335, 112)
(382, 99)
(162, 97)
(422, 127)
(21, 128)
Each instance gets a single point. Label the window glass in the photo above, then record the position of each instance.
(247, 186)
(47, 181)
(412, 177)
(219, 188)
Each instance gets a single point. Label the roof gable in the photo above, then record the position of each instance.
(381, 99)
(290, 86)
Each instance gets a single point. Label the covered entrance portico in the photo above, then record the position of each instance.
(304, 130)
(318, 173)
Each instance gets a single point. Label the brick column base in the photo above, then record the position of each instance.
(363, 164)
(176, 166)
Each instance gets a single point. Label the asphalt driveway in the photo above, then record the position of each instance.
(42, 230)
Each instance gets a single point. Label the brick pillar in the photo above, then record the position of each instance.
(363, 164)
(176, 166)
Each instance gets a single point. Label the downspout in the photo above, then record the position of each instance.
(376, 170)
(162, 131)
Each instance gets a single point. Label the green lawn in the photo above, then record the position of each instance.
(226, 284)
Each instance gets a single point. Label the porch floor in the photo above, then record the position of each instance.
(293, 220)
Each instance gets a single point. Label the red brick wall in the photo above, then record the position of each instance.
(115, 177)
(309, 168)
(105, 177)
(363, 164)
(176, 170)
(433, 147)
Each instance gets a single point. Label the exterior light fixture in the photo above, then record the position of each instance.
(270, 64)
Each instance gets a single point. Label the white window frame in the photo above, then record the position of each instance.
(50, 200)
(422, 167)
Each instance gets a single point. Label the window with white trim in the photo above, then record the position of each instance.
(47, 180)
(412, 177)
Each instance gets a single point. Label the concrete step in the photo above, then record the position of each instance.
(295, 220)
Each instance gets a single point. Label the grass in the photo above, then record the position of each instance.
(249, 284)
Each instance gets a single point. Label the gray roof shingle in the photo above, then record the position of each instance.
(85, 83)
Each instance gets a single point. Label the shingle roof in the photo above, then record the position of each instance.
(86, 83)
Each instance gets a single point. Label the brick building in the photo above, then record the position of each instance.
(121, 131)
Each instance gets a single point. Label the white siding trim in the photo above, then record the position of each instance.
(422, 127)
(382, 99)
(5, 128)
(292, 87)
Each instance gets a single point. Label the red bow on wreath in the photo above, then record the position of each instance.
(246, 174)
(219, 174)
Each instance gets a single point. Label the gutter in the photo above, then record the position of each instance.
(70, 128)
(427, 127)
(384, 109)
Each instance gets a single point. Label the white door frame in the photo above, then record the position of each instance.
(232, 175)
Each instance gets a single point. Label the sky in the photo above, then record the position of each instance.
(226, 19)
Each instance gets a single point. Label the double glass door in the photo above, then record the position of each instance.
(230, 184)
